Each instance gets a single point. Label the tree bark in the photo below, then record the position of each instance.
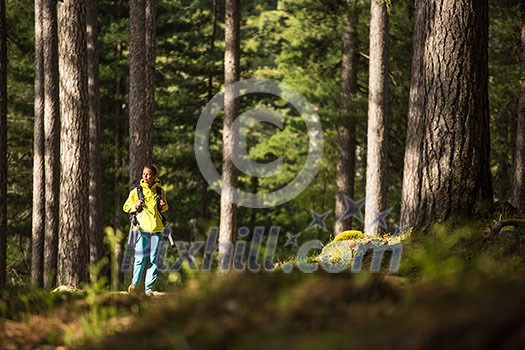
(376, 167)
(345, 173)
(150, 33)
(448, 143)
(518, 184)
(3, 144)
(96, 234)
(204, 184)
(38, 213)
(140, 122)
(227, 229)
(52, 141)
(74, 199)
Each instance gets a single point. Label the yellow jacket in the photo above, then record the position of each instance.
(149, 217)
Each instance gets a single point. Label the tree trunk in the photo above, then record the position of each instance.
(3, 144)
(448, 143)
(140, 122)
(345, 172)
(96, 234)
(52, 141)
(204, 184)
(227, 229)
(376, 167)
(38, 214)
(518, 183)
(74, 198)
(150, 33)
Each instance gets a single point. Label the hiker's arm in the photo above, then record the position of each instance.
(131, 202)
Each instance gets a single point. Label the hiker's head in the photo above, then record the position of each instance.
(149, 174)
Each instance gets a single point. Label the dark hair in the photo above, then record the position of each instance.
(152, 168)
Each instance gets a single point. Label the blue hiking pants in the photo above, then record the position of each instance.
(147, 245)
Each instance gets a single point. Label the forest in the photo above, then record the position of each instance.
(288, 173)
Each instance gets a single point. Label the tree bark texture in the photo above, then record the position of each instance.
(3, 144)
(151, 37)
(140, 122)
(376, 167)
(38, 213)
(518, 176)
(74, 199)
(52, 140)
(228, 224)
(345, 173)
(96, 234)
(446, 169)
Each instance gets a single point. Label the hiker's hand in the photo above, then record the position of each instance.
(138, 204)
(162, 203)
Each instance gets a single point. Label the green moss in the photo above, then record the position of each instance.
(349, 235)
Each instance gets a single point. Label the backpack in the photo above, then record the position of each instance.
(140, 193)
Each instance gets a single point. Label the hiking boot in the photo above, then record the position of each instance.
(132, 289)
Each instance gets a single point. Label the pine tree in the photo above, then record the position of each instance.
(227, 229)
(448, 144)
(39, 209)
(376, 186)
(74, 199)
(3, 144)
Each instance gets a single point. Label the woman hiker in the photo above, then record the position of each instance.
(146, 202)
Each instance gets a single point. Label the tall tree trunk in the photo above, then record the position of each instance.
(74, 198)
(376, 166)
(117, 276)
(96, 234)
(204, 184)
(140, 122)
(39, 209)
(3, 144)
(52, 141)
(518, 183)
(150, 34)
(447, 149)
(345, 173)
(227, 229)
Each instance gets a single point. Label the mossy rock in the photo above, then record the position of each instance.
(349, 235)
(341, 247)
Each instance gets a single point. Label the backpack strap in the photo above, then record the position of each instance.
(159, 207)
(133, 216)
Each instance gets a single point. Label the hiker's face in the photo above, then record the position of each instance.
(148, 176)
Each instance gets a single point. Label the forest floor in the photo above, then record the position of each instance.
(455, 290)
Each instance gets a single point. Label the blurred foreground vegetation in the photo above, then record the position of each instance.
(456, 288)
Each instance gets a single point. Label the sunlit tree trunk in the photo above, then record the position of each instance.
(447, 149)
(227, 229)
(376, 165)
(140, 122)
(3, 144)
(518, 183)
(96, 234)
(52, 141)
(74, 198)
(39, 209)
(345, 173)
